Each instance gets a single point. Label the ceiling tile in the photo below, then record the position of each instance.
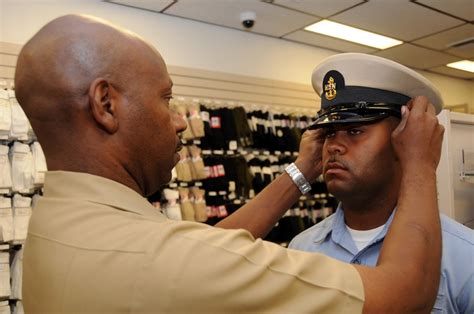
(453, 72)
(466, 51)
(327, 42)
(400, 20)
(271, 19)
(152, 5)
(460, 8)
(322, 8)
(416, 57)
(442, 40)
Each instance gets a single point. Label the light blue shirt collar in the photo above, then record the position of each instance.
(337, 229)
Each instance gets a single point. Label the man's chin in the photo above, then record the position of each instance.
(338, 188)
(176, 158)
(167, 179)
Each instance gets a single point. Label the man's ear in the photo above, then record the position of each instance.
(104, 101)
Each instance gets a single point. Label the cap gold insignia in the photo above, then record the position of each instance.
(330, 89)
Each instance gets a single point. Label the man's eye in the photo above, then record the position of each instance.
(354, 131)
(328, 134)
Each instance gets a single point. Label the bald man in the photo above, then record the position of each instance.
(98, 99)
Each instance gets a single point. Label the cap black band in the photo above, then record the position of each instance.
(360, 112)
(352, 94)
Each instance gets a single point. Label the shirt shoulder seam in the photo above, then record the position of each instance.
(83, 248)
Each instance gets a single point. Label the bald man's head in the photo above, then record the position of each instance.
(58, 64)
(97, 97)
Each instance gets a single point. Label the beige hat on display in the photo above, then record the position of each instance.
(358, 88)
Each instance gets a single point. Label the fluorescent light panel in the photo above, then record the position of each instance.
(464, 65)
(353, 34)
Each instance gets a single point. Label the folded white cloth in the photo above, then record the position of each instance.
(19, 122)
(18, 309)
(39, 164)
(22, 168)
(21, 217)
(5, 309)
(6, 219)
(4, 274)
(16, 274)
(5, 114)
(5, 170)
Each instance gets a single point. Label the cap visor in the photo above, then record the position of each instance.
(338, 119)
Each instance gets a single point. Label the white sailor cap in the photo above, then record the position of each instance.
(357, 88)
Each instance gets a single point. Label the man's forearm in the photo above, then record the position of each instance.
(262, 213)
(409, 263)
(418, 229)
(414, 239)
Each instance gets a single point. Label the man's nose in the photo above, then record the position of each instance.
(180, 123)
(336, 144)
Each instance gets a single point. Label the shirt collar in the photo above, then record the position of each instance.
(340, 234)
(336, 227)
(328, 225)
(92, 188)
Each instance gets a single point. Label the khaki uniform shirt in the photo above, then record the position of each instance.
(96, 246)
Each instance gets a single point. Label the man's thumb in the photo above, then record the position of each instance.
(403, 121)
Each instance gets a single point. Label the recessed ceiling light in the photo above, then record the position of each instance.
(353, 34)
(464, 65)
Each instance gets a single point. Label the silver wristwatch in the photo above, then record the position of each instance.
(298, 178)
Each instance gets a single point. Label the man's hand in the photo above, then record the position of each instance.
(417, 139)
(309, 160)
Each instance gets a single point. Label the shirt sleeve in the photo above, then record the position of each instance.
(193, 266)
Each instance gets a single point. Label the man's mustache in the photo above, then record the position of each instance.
(334, 162)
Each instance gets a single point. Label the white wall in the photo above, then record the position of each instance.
(198, 45)
(454, 91)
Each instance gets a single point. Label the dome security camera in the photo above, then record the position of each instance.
(248, 19)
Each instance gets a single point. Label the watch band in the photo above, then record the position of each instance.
(298, 178)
